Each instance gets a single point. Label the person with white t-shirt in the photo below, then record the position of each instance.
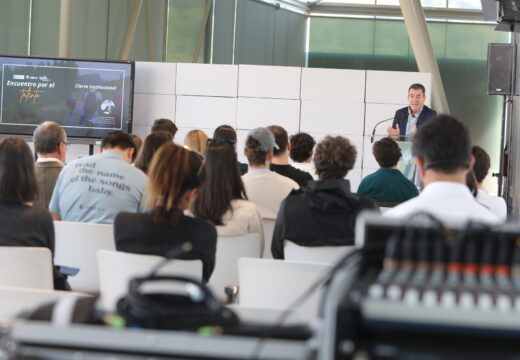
(496, 204)
(443, 157)
(265, 188)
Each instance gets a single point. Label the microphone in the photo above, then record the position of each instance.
(375, 127)
(171, 254)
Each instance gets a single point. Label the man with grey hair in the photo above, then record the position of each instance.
(50, 144)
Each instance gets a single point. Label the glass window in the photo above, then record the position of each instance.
(465, 4)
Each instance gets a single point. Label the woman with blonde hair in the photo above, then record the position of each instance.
(196, 140)
(173, 182)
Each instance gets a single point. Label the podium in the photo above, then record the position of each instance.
(407, 162)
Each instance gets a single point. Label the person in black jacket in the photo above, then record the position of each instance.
(173, 183)
(324, 212)
(408, 119)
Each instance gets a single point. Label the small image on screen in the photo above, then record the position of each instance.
(87, 98)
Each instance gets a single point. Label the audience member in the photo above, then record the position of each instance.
(152, 143)
(196, 140)
(174, 179)
(138, 145)
(50, 144)
(280, 163)
(324, 212)
(265, 188)
(387, 184)
(443, 156)
(222, 197)
(96, 188)
(22, 224)
(165, 125)
(227, 134)
(302, 146)
(496, 204)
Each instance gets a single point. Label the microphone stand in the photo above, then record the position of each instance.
(375, 127)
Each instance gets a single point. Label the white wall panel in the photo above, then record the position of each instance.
(148, 107)
(154, 78)
(356, 140)
(369, 162)
(391, 87)
(142, 130)
(375, 113)
(332, 117)
(354, 176)
(207, 80)
(333, 85)
(205, 112)
(241, 143)
(276, 82)
(253, 113)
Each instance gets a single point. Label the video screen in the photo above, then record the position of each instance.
(87, 98)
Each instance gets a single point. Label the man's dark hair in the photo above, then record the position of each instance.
(118, 139)
(387, 152)
(225, 133)
(482, 163)
(443, 143)
(417, 87)
(47, 137)
(301, 147)
(17, 178)
(334, 157)
(165, 125)
(255, 157)
(280, 137)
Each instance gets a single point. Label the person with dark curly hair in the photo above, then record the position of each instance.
(324, 212)
(387, 184)
(302, 148)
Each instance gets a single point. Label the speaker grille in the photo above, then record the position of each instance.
(500, 60)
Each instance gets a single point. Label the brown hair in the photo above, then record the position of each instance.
(222, 184)
(255, 157)
(152, 143)
(165, 125)
(138, 145)
(174, 170)
(301, 147)
(387, 152)
(196, 140)
(17, 178)
(280, 137)
(482, 163)
(334, 157)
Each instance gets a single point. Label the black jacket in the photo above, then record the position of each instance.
(321, 214)
(401, 118)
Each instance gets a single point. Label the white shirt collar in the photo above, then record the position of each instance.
(447, 188)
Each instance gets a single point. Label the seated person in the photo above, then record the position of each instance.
(443, 156)
(222, 199)
(387, 184)
(152, 143)
(138, 145)
(165, 125)
(173, 183)
(265, 188)
(496, 204)
(324, 212)
(280, 163)
(302, 147)
(50, 144)
(22, 224)
(96, 188)
(196, 140)
(227, 134)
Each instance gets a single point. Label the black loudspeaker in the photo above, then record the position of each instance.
(499, 69)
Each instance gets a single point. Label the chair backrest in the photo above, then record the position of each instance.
(27, 267)
(268, 235)
(229, 250)
(275, 284)
(321, 254)
(116, 269)
(15, 300)
(77, 245)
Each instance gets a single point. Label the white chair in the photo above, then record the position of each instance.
(276, 284)
(268, 235)
(229, 250)
(320, 254)
(15, 300)
(116, 269)
(27, 267)
(77, 245)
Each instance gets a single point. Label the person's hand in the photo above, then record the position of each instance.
(414, 130)
(394, 133)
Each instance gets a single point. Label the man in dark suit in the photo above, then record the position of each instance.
(408, 119)
(50, 144)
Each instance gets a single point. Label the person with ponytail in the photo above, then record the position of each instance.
(173, 180)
